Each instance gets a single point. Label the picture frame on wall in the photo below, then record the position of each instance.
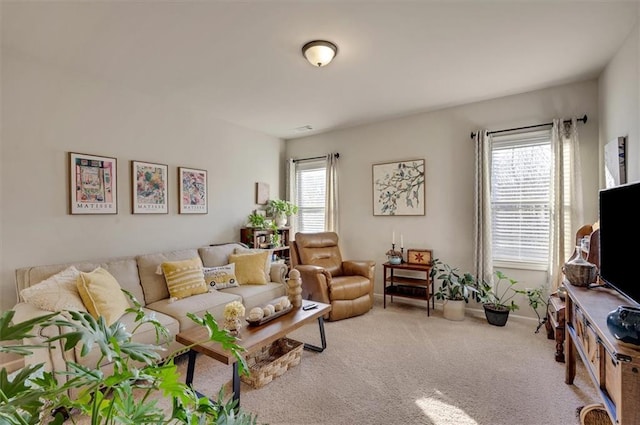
(93, 184)
(262, 193)
(149, 188)
(399, 188)
(193, 191)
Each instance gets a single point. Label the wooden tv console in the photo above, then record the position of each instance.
(613, 367)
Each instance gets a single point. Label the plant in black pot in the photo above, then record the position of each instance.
(497, 298)
(455, 289)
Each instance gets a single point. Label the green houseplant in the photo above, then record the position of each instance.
(256, 220)
(124, 395)
(282, 209)
(497, 298)
(455, 289)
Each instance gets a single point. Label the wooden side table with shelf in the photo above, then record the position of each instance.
(555, 324)
(408, 286)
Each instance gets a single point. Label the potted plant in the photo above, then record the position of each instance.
(455, 289)
(497, 298)
(281, 210)
(256, 220)
(124, 395)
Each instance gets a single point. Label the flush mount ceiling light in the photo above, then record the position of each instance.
(319, 52)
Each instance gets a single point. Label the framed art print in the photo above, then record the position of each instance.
(149, 188)
(93, 184)
(193, 191)
(398, 188)
(419, 256)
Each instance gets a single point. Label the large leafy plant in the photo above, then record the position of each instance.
(499, 294)
(454, 285)
(125, 395)
(280, 206)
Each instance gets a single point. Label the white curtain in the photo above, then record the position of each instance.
(566, 196)
(291, 193)
(482, 255)
(331, 201)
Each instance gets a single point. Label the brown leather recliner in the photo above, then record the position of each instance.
(346, 285)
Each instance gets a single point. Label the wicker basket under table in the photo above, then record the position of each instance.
(272, 361)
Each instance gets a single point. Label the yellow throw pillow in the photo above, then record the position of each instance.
(250, 267)
(102, 295)
(184, 278)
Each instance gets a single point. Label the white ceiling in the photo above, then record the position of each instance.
(241, 60)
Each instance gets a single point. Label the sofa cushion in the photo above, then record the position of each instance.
(217, 255)
(254, 295)
(250, 267)
(349, 287)
(267, 261)
(221, 277)
(213, 302)
(154, 285)
(58, 292)
(184, 278)
(102, 295)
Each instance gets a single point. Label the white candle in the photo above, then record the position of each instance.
(393, 237)
(401, 241)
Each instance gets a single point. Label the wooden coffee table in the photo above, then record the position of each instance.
(252, 338)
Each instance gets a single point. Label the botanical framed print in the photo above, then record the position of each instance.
(149, 188)
(93, 184)
(193, 191)
(399, 188)
(419, 256)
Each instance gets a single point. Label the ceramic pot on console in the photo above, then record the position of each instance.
(578, 271)
(624, 324)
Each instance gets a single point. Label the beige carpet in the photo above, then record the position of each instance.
(398, 366)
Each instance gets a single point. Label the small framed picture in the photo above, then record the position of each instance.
(93, 184)
(149, 188)
(262, 193)
(193, 191)
(419, 256)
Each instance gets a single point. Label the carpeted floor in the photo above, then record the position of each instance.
(398, 366)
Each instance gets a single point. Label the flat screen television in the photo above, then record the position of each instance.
(620, 239)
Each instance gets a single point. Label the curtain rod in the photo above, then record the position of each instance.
(315, 157)
(583, 119)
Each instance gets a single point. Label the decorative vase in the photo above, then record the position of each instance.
(453, 309)
(496, 316)
(578, 271)
(624, 324)
(281, 220)
(233, 325)
(394, 259)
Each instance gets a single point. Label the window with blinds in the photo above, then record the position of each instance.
(310, 195)
(520, 198)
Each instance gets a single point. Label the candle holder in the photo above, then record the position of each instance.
(402, 254)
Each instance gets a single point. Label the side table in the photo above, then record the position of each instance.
(406, 286)
(555, 324)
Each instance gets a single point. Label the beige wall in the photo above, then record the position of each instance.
(442, 139)
(619, 97)
(47, 113)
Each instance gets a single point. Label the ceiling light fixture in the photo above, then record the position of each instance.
(319, 52)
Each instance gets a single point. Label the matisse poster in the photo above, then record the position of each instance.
(149, 188)
(193, 190)
(93, 184)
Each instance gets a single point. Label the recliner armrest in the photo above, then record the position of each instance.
(315, 283)
(361, 268)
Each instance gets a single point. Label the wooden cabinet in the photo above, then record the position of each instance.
(419, 286)
(613, 367)
(262, 238)
(555, 324)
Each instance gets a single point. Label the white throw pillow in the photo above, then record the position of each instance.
(221, 277)
(58, 292)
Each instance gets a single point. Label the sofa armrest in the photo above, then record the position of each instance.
(361, 268)
(278, 273)
(315, 283)
(52, 355)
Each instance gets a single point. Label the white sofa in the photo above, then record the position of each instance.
(138, 274)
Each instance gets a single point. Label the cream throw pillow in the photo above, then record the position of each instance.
(56, 293)
(250, 267)
(184, 278)
(102, 295)
(221, 277)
